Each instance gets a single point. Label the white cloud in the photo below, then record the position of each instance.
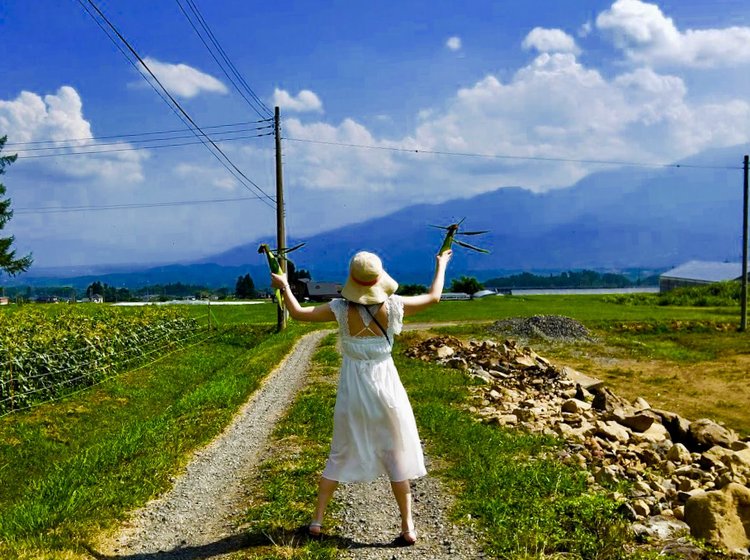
(217, 176)
(647, 36)
(183, 80)
(550, 40)
(453, 43)
(305, 101)
(555, 107)
(30, 118)
(585, 29)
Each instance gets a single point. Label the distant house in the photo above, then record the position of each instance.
(492, 292)
(96, 298)
(699, 273)
(450, 296)
(4, 300)
(322, 291)
(47, 299)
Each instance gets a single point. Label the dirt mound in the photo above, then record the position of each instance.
(553, 327)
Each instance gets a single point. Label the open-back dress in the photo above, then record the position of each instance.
(374, 430)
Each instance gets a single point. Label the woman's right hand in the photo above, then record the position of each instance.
(444, 257)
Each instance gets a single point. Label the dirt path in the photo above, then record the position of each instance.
(199, 516)
(200, 508)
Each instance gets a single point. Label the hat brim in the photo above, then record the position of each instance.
(370, 295)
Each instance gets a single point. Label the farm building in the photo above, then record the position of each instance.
(4, 300)
(322, 291)
(699, 273)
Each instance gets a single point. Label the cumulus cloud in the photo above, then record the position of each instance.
(453, 43)
(183, 80)
(648, 36)
(555, 108)
(550, 40)
(56, 117)
(217, 176)
(305, 101)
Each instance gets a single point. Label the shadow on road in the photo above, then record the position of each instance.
(244, 541)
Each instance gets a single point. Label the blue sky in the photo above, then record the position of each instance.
(620, 80)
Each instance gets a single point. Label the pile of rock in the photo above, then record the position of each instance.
(549, 327)
(682, 474)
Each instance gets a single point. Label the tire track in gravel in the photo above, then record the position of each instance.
(202, 506)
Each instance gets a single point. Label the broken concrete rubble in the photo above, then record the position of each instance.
(670, 461)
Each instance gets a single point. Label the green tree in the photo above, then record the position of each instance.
(8, 261)
(466, 284)
(245, 287)
(411, 289)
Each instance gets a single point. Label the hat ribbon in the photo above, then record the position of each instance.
(364, 283)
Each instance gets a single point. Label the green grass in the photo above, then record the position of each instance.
(528, 503)
(287, 485)
(585, 308)
(88, 460)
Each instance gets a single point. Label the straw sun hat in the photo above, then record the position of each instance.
(368, 283)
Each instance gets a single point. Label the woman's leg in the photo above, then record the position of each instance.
(326, 488)
(402, 492)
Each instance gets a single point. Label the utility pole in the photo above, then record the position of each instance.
(743, 317)
(280, 228)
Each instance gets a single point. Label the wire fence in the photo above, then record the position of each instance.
(30, 378)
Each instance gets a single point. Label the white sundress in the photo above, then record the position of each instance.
(374, 431)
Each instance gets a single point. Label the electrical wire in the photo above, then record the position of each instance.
(65, 209)
(622, 163)
(137, 148)
(255, 101)
(134, 134)
(175, 105)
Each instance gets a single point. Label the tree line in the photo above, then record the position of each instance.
(569, 279)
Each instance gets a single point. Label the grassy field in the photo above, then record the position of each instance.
(690, 360)
(71, 468)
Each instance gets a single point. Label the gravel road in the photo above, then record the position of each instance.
(199, 516)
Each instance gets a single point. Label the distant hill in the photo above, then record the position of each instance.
(651, 218)
(625, 218)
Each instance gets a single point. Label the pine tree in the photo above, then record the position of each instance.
(8, 261)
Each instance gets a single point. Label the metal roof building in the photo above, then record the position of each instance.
(698, 273)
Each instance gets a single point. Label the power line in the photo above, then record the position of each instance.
(523, 158)
(135, 134)
(173, 103)
(138, 148)
(65, 209)
(255, 101)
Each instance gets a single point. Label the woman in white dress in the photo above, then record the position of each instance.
(374, 429)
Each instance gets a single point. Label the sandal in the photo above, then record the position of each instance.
(315, 530)
(407, 538)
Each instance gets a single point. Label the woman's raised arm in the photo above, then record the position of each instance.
(413, 304)
(318, 313)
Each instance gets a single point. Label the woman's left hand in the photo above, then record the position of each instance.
(279, 280)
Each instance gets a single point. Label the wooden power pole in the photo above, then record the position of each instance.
(743, 318)
(280, 228)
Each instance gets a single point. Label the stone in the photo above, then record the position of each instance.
(574, 406)
(663, 528)
(740, 458)
(705, 433)
(655, 434)
(678, 427)
(458, 363)
(605, 400)
(679, 455)
(641, 404)
(721, 517)
(445, 352)
(715, 457)
(638, 422)
(612, 431)
(641, 508)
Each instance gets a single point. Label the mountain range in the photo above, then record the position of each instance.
(649, 218)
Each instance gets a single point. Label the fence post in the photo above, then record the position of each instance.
(743, 317)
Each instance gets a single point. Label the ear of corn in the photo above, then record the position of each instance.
(273, 264)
